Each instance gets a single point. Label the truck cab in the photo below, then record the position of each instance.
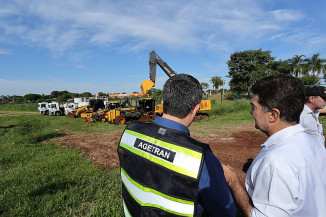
(69, 107)
(55, 109)
(43, 108)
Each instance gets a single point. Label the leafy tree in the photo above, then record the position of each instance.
(216, 81)
(32, 97)
(86, 94)
(204, 85)
(64, 97)
(280, 66)
(156, 94)
(310, 79)
(55, 94)
(247, 67)
(101, 94)
(17, 98)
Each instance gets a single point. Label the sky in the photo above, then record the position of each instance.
(104, 45)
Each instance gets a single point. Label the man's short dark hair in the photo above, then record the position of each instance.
(181, 93)
(284, 92)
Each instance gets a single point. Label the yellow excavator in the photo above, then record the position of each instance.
(154, 59)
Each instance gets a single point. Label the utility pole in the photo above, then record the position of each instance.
(223, 87)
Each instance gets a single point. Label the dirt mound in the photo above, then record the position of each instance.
(234, 150)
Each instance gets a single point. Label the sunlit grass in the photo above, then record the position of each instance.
(43, 179)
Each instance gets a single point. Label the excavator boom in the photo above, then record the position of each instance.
(154, 60)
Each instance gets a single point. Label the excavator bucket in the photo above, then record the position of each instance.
(146, 86)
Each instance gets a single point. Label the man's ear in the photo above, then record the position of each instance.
(195, 109)
(275, 115)
(311, 98)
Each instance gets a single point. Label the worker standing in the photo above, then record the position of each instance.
(164, 171)
(287, 178)
(315, 99)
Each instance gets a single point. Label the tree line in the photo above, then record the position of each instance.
(247, 67)
(59, 96)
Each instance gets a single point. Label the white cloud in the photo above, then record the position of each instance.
(81, 67)
(288, 15)
(62, 26)
(4, 51)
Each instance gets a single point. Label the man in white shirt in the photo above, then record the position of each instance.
(315, 99)
(287, 178)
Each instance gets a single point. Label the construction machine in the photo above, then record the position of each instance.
(87, 110)
(69, 107)
(94, 106)
(154, 59)
(114, 113)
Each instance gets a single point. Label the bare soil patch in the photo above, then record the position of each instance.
(234, 150)
(15, 113)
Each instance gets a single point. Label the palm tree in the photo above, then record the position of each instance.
(216, 81)
(315, 65)
(296, 64)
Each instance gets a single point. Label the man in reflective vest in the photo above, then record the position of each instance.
(164, 171)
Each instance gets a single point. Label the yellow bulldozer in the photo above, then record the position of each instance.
(86, 111)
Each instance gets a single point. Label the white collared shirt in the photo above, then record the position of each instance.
(288, 176)
(309, 121)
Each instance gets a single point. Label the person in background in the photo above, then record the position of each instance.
(315, 99)
(164, 171)
(287, 178)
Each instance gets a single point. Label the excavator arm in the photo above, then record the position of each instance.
(155, 60)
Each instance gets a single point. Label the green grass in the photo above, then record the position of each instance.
(31, 107)
(42, 179)
(224, 116)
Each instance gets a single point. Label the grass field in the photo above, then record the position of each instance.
(39, 178)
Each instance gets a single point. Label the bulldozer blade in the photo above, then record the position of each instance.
(145, 86)
(89, 120)
(71, 115)
(145, 118)
(200, 116)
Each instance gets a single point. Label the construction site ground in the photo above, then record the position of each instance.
(235, 150)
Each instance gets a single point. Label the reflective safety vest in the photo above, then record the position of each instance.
(160, 171)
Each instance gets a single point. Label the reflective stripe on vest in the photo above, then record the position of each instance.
(153, 198)
(176, 158)
(127, 214)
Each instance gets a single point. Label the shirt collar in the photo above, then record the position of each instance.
(171, 124)
(282, 134)
(308, 110)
